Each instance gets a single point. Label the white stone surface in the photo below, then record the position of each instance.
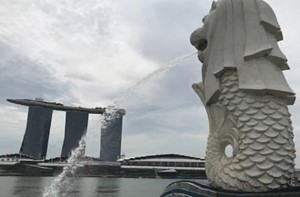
(246, 96)
(242, 35)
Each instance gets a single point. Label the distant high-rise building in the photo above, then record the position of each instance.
(111, 136)
(36, 137)
(75, 128)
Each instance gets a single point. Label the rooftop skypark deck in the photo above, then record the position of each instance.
(56, 106)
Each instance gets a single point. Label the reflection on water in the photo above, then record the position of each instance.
(21, 186)
(26, 186)
(109, 188)
(84, 187)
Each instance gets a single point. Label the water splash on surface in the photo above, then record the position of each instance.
(63, 182)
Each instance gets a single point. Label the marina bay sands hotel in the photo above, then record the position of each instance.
(36, 137)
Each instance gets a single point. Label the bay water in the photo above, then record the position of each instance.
(14, 186)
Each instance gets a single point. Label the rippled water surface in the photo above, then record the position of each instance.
(84, 187)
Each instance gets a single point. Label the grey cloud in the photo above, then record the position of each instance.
(174, 121)
(166, 27)
(170, 107)
(165, 142)
(21, 77)
(76, 17)
(12, 124)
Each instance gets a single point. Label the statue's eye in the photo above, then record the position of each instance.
(204, 19)
(202, 45)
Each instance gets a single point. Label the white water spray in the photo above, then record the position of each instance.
(62, 183)
(120, 102)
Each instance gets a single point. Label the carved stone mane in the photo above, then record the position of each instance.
(242, 35)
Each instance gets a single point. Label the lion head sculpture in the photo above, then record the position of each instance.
(242, 35)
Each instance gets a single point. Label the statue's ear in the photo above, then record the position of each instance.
(213, 6)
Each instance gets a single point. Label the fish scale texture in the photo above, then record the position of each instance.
(265, 155)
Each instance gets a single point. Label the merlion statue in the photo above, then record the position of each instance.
(246, 97)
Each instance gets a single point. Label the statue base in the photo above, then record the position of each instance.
(202, 189)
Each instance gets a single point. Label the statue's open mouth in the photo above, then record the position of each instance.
(199, 41)
(201, 46)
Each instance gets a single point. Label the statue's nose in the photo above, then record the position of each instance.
(198, 39)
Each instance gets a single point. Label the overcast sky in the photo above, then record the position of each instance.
(88, 53)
